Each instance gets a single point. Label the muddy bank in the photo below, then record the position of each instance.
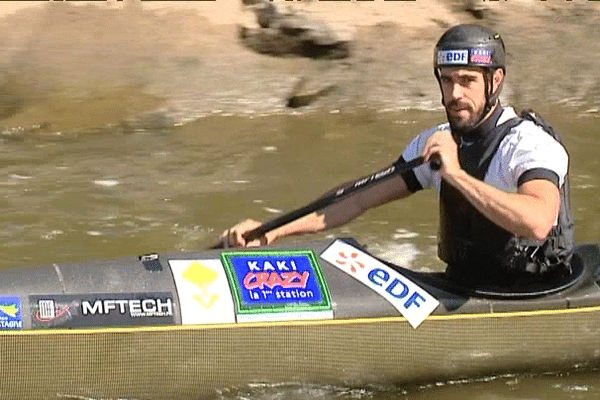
(135, 65)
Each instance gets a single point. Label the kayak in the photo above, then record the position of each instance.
(188, 325)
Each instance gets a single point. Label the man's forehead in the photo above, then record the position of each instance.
(461, 71)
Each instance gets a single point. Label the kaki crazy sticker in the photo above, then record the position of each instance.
(277, 285)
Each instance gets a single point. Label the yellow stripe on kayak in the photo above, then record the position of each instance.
(431, 318)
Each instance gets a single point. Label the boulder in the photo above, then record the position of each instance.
(292, 34)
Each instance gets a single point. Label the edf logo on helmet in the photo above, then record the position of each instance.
(453, 57)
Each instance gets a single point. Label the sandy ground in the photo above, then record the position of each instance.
(50, 51)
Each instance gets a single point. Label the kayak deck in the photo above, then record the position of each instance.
(365, 341)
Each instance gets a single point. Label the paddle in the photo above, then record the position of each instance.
(341, 193)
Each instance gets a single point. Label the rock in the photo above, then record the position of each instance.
(269, 41)
(266, 14)
(476, 8)
(251, 2)
(302, 96)
(293, 34)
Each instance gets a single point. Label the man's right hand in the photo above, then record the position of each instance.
(233, 237)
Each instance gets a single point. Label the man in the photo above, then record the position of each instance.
(504, 213)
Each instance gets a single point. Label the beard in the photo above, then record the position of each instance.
(460, 124)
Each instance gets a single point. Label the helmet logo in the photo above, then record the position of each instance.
(461, 57)
(481, 56)
(452, 57)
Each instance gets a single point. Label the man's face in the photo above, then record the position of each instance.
(463, 91)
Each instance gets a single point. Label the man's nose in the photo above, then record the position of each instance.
(456, 91)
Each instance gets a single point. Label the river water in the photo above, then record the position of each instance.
(112, 193)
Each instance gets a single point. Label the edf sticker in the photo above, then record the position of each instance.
(11, 316)
(452, 57)
(277, 285)
(414, 303)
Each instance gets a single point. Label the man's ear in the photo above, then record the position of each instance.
(497, 79)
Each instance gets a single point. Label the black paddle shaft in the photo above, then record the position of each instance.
(339, 194)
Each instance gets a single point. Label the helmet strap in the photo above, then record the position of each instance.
(488, 79)
(491, 97)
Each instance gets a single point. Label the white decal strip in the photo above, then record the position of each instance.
(452, 57)
(414, 303)
(204, 292)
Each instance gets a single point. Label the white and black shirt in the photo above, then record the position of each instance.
(526, 153)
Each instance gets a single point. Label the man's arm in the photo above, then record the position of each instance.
(332, 216)
(530, 212)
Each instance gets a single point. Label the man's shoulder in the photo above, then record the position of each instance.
(417, 144)
(443, 126)
(527, 147)
(526, 129)
(508, 113)
(530, 141)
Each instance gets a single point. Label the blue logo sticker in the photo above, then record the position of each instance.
(452, 57)
(267, 281)
(11, 316)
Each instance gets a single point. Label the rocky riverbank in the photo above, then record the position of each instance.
(75, 68)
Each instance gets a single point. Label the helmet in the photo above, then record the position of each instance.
(472, 46)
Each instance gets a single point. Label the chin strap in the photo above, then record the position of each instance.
(491, 98)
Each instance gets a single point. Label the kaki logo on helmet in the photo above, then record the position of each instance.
(481, 56)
